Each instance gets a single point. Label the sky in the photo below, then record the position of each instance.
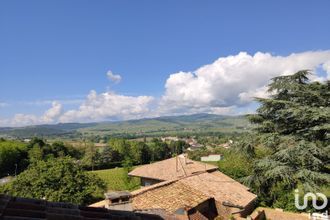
(83, 60)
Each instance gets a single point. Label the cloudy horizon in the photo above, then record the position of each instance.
(226, 86)
(81, 61)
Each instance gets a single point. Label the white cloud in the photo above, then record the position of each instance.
(326, 68)
(247, 97)
(233, 80)
(50, 116)
(226, 86)
(23, 120)
(116, 78)
(109, 105)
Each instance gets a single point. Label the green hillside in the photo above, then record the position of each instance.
(169, 125)
(188, 124)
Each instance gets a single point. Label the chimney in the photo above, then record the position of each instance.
(121, 200)
(184, 157)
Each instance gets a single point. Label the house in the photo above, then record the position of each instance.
(175, 198)
(182, 184)
(212, 158)
(164, 139)
(205, 194)
(15, 208)
(186, 189)
(26, 140)
(227, 145)
(209, 193)
(170, 169)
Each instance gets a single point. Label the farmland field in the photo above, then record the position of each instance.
(116, 179)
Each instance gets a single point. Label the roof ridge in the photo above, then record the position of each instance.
(164, 183)
(185, 173)
(152, 187)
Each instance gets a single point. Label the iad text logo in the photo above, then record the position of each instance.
(314, 197)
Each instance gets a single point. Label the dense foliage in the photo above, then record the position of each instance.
(119, 150)
(294, 125)
(13, 157)
(59, 180)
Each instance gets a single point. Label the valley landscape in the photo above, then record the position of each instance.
(164, 110)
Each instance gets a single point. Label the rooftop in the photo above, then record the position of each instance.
(192, 190)
(189, 192)
(33, 209)
(221, 187)
(170, 169)
(169, 196)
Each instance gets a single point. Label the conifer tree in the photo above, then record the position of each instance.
(294, 122)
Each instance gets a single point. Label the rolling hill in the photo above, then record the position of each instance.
(168, 125)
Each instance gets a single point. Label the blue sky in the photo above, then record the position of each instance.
(53, 54)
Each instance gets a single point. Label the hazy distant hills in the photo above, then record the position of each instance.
(169, 125)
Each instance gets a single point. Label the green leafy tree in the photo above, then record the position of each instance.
(36, 153)
(13, 157)
(297, 107)
(91, 157)
(59, 180)
(120, 145)
(294, 124)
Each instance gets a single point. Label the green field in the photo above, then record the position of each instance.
(116, 179)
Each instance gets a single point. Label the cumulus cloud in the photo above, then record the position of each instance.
(226, 86)
(326, 68)
(234, 80)
(50, 116)
(109, 105)
(116, 78)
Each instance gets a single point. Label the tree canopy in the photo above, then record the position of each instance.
(294, 124)
(59, 180)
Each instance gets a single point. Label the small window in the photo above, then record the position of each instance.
(115, 200)
(126, 199)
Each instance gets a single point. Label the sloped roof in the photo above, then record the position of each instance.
(22, 208)
(279, 214)
(221, 187)
(170, 197)
(173, 168)
(191, 191)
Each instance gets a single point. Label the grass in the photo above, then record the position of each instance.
(117, 180)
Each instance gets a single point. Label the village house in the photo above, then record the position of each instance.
(164, 139)
(170, 169)
(193, 144)
(186, 189)
(230, 197)
(211, 158)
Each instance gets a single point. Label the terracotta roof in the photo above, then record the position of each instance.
(191, 191)
(15, 208)
(173, 168)
(170, 196)
(221, 187)
(270, 213)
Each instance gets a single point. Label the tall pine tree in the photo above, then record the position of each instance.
(294, 122)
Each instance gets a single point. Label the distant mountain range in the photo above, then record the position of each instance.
(168, 125)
